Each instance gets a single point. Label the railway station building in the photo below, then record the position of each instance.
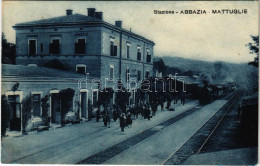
(86, 46)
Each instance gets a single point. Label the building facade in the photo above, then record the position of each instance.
(87, 47)
(85, 44)
(20, 82)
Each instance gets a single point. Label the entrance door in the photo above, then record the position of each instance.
(83, 104)
(15, 121)
(37, 105)
(55, 108)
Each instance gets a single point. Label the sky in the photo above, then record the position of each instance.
(219, 37)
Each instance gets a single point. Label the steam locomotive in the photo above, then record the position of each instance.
(211, 92)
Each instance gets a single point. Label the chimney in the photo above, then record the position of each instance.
(91, 12)
(69, 12)
(99, 15)
(118, 24)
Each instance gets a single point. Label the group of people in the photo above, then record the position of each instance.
(125, 117)
(125, 121)
(182, 99)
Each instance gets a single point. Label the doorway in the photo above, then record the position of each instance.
(15, 120)
(55, 108)
(83, 104)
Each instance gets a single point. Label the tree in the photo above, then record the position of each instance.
(160, 66)
(6, 111)
(66, 98)
(122, 98)
(105, 97)
(254, 49)
(8, 51)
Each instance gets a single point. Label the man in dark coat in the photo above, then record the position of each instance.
(114, 115)
(105, 118)
(183, 98)
(147, 112)
(122, 122)
(129, 120)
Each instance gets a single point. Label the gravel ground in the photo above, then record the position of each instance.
(228, 135)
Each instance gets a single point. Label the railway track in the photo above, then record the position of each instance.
(197, 142)
(110, 152)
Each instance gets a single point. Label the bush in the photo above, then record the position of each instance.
(105, 97)
(122, 98)
(45, 110)
(6, 114)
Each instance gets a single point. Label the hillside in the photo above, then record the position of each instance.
(186, 64)
(217, 72)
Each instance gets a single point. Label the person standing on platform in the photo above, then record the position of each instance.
(114, 115)
(122, 122)
(129, 120)
(183, 99)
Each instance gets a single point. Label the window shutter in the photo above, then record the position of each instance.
(115, 50)
(111, 50)
(83, 48)
(139, 75)
(138, 56)
(76, 48)
(148, 58)
(50, 48)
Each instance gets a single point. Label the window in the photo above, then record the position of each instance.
(127, 77)
(41, 47)
(81, 68)
(113, 49)
(147, 74)
(127, 51)
(80, 46)
(148, 57)
(111, 73)
(32, 47)
(139, 54)
(55, 46)
(36, 104)
(138, 75)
